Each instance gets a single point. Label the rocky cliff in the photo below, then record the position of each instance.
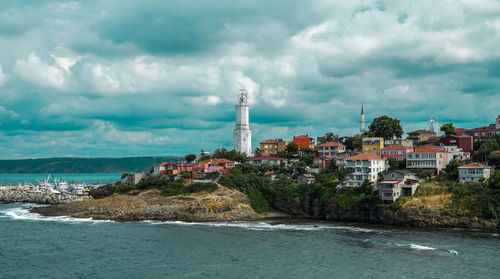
(308, 207)
(10, 196)
(221, 205)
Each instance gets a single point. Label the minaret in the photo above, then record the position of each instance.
(242, 133)
(362, 121)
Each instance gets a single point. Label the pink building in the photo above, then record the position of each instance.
(397, 152)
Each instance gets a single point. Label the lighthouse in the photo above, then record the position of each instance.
(242, 133)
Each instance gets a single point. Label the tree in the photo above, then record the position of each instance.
(328, 137)
(448, 129)
(386, 127)
(292, 148)
(395, 164)
(190, 158)
(486, 147)
(352, 143)
(494, 160)
(257, 152)
(451, 170)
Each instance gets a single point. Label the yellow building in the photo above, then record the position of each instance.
(272, 146)
(373, 145)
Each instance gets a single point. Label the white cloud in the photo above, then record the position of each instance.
(3, 77)
(36, 71)
(65, 62)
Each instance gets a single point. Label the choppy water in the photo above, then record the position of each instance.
(60, 247)
(88, 178)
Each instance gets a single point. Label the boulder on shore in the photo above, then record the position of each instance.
(11, 195)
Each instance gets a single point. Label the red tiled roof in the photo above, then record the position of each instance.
(331, 143)
(495, 152)
(429, 145)
(163, 164)
(215, 161)
(264, 158)
(365, 157)
(388, 181)
(474, 165)
(396, 146)
(270, 141)
(302, 137)
(428, 150)
(461, 129)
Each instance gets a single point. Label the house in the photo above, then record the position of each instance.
(201, 169)
(495, 152)
(159, 168)
(361, 167)
(421, 135)
(177, 168)
(464, 142)
(273, 146)
(330, 149)
(304, 141)
(270, 160)
(372, 145)
(340, 158)
(404, 142)
(321, 162)
(397, 152)
(456, 153)
(397, 183)
(432, 160)
(473, 173)
(306, 178)
(481, 133)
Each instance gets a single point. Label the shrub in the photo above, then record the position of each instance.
(124, 188)
(199, 187)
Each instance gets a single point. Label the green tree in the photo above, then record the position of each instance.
(494, 180)
(257, 152)
(190, 158)
(328, 137)
(485, 147)
(451, 170)
(448, 129)
(494, 160)
(386, 127)
(352, 143)
(292, 148)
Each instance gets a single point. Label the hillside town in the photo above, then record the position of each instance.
(394, 165)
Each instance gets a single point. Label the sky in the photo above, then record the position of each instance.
(141, 78)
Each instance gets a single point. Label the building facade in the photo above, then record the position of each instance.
(273, 146)
(330, 149)
(242, 136)
(432, 160)
(304, 141)
(201, 169)
(397, 183)
(481, 133)
(373, 145)
(270, 160)
(397, 152)
(473, 173)
(421, 135)
(466, 143)
(362, 167)
(404, 142)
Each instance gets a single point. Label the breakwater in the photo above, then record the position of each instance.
(8, 195)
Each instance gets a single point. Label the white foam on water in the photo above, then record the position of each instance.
(23, 213)
(416, 246)
(264, 226)
(453, 252)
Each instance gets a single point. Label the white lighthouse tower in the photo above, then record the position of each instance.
(242, 133)
(362, 121)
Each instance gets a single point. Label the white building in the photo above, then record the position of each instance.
(432, 160)
(242, 133)
(397, 183)
(473, 173)
(361, 167)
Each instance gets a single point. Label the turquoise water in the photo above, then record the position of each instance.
(40, 247)
(88, 178)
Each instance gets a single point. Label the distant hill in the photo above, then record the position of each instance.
(84, 165)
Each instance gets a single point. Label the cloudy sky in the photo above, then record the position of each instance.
(128, 78)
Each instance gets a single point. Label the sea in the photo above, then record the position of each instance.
(33, 246)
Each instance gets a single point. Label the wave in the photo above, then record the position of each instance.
(426, 248)
(24, 213)
(265, 226)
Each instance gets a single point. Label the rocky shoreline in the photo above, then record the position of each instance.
(219, 206)
(8, 195)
